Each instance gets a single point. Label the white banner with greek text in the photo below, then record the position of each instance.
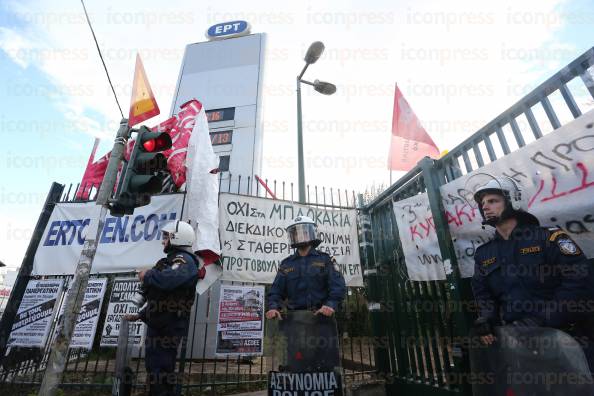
(254, 239)
(556, 174)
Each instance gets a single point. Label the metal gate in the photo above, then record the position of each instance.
(91, 372)
(422, 326)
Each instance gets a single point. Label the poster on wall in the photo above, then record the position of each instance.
(120, 304)
(240, 328)
(254, 240)
(88, 317)
(34, 316)
(556, 175)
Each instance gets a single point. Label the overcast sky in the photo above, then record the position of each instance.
(458, 63)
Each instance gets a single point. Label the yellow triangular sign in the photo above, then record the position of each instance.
(143, 104)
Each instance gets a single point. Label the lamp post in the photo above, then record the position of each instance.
(312, 55)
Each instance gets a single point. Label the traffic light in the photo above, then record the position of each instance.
(140, 179)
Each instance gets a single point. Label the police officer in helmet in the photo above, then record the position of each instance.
(308, 279)
(170, 289)
(527, 275)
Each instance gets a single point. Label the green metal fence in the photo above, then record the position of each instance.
(421, 327)
(91, 371)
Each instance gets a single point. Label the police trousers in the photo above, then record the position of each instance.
(160, 355)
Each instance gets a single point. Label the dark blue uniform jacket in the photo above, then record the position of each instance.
(307, 282)
(171, 292)
(539, 273)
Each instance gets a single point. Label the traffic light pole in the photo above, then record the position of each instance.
(59, 351)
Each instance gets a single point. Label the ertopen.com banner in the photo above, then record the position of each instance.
(254, 239)
(240, 329)
(556, 174)
(120, 304)
(86, 322)
(34, 316)
(126, 243)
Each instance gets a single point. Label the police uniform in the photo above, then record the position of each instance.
(307, 282)
(170, 295)
(539, 274)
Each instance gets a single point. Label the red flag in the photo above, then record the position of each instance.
(180, 128)
(410, 142)
(93, 173)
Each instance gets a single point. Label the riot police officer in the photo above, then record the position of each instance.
(170, 289)
(308, 279)
(527, 275)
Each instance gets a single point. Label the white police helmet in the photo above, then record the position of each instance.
(303, 231)
(505, 186)
(515, 203)
(180, 233)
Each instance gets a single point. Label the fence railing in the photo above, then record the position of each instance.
(424, 321)
(23, 368)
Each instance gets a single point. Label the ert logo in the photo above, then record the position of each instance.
(228, 29)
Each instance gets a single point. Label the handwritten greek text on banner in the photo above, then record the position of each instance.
(556, 174)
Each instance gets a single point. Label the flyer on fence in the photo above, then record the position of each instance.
(86, 322)
(120, 304)
(240, 328)
(34, 316)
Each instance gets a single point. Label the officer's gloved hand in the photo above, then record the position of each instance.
(273, 314)
(484, 329)
(482, 326)
(325, 310)
(527, 322)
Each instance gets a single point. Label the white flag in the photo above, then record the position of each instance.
(202, 187)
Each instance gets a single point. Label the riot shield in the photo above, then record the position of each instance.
(529, 361)
(305, 355)
(123, 375)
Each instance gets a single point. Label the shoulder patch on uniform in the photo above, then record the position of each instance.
(179, 259)
(488, 261)
(567, 246)
(555, 234)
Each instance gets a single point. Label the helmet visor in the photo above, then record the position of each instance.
(301, 233)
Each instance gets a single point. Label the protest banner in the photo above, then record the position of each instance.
(555, 174)
(254, 239)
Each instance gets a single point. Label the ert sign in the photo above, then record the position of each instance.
(228, 29)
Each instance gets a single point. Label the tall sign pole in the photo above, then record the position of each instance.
(142, 107)
(59, 351)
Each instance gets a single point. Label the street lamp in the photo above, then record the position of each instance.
(312, 55)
